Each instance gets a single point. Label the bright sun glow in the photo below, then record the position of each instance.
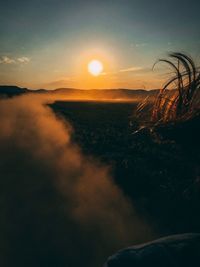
(95, 67)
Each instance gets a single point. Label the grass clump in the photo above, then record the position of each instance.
(179, 98)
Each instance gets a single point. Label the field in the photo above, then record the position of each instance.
(82, 179)
(160, 176)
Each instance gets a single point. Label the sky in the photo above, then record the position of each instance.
(49, 43)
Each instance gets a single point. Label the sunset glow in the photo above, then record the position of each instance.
(92, 44)
(99, 138)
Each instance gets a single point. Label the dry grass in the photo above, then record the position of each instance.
(178, 99)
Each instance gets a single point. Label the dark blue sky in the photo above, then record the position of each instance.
(46, 41)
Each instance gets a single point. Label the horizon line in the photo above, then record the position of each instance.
(72, 88)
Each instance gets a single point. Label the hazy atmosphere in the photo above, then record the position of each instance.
(99, 133)
(54, 40)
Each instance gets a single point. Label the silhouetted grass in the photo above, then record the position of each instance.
(181, 102)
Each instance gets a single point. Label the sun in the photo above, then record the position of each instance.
(95, 67)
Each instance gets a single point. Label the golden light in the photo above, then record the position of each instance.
(95, 67)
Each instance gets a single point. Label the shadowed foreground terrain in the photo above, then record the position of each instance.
(159, 175)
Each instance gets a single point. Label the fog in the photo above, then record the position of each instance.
(58, 207)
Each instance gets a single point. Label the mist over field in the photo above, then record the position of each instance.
(81, 94)
(99, 133)
(58, 207)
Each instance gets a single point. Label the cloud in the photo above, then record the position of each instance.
(141, 44)
(58, 207)
(23, 59)
(131, 69)
(137, 45)
(11, 60)
(6, 60)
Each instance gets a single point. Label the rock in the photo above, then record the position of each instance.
(172, 251)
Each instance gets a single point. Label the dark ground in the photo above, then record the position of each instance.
(161, 176)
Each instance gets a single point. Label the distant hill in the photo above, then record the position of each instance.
(10, 91)
(7, 91)
(107, 93)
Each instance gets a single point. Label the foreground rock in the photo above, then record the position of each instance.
(173, 251)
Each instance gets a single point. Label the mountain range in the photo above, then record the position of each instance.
(10, 91)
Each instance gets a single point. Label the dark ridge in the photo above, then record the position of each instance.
(10, 91)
